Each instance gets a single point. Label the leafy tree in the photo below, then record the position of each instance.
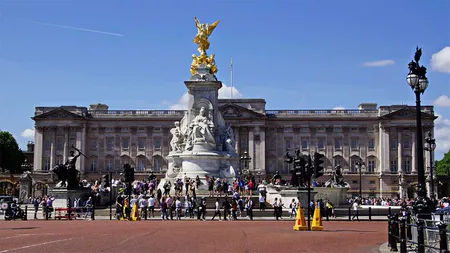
(11, 157)
(443, 166)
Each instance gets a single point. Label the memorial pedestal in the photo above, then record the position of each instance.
(62, 195)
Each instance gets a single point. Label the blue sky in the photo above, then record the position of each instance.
(300, 54)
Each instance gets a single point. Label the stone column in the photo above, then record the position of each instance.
(399, 150)
(83, 147)
(38, 147)
(53, 148)
(237, 139)
(78, 145)
(381, 185)
(413, 152)
(383, 149)
(251, 148)
(133, 145)
(66, 143)
(149, 148)
(262, 150)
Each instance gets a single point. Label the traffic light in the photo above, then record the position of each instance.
(318, 165)
(309, 168)
(299, 165)
(128, 173)
(288, 158)
(105, 180)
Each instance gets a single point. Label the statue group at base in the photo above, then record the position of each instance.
(67, 174)
(337, 180)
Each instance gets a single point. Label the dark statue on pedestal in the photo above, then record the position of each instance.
(337, 179)
(67, 173)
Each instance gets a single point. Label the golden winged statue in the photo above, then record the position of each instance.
(201, 39)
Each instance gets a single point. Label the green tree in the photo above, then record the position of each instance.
(443, 166)
(11, 157)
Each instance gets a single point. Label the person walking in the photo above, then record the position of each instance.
(217, 210)
(355, 210)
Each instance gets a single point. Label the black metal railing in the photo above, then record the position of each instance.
(411, 234)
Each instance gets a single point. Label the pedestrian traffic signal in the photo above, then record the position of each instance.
(128, 173)
(105, 180)
(318, 165)
(309, 168)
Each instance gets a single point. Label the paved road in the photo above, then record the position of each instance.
(188, 236)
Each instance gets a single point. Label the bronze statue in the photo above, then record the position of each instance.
(201, 39)
(67, 173)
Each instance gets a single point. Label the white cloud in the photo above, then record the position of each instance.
(381, 63)
(229, 92)
(224, 92)
(442, 101)
(442, 133)
(27, 133)
(440, 61)
(338, 108)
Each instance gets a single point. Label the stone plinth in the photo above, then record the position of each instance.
(287, 193)
(337, 196)
(61, 196)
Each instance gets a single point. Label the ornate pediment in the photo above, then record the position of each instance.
(235, 111)
(58, 113)
(405, 113)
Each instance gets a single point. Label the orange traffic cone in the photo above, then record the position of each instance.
(300, 223)
(317, 221)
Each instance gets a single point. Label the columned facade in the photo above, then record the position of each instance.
(382, 137)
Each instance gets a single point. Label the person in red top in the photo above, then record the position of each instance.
(250, 187)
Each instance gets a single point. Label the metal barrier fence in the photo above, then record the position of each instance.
(417, 235)
(72, 213)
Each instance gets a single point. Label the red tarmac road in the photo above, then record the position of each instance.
(188, 236)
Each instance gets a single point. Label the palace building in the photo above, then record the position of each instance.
(382, 137)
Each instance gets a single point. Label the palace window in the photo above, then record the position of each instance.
(93, 145)
(109, 164)
(354, 129)
(393, 144)
(157, 162)
(59, 160)
(287, 143)
(337, 144)
(304, 145)
(157, 143)
(125, 143)
(46, 163)
(371, 166)
(59, 143)
(93, 164)
(337, 161)
(407, 165)
(141, 164)
(109, 143)
(406, 144)
(371, 144)
(72, 142)
(321, 144)
(141, 143)
(47, 144)
(353, 167)
(354, 143)
(394, 168)
(337, 130)
(321, 129)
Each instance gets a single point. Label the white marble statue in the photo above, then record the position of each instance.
(229, 142)
(177, 138)
(200, 130)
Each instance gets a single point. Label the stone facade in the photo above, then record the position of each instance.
(383, 137)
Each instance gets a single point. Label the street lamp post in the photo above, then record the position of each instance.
(430, 146)
(418, 81)
(245, 158)
(360, 164)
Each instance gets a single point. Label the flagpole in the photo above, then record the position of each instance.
(231, 76)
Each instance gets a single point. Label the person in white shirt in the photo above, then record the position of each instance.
(143, 207)
(170, 206)
(151, 206)
(217, 210)
(355, 210)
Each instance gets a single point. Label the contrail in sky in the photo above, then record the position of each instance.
(80, 29)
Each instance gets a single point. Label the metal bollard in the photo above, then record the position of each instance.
(408, 227)
(394, 233)
(350, 213)
(443, 244)
(145, 212)
(441, 216)
(26, 213)
(420, 237)
(370, 213)
(389, 210)
(389, 230)
(403, 235)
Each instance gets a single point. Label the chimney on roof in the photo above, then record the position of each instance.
(98, 107)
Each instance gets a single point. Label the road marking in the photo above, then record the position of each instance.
(34, 245)
(20, 235)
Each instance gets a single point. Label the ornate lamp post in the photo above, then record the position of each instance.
(418, 81)
(25, 166)
(360, 164)
(430, 146)
(245, 158)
